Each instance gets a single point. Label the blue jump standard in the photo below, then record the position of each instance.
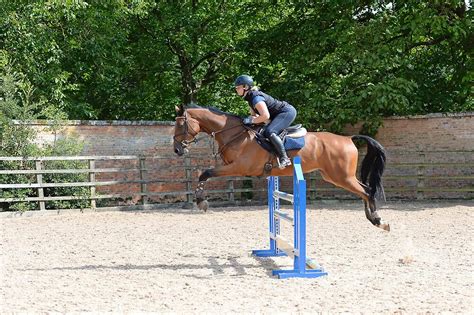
(302, 267)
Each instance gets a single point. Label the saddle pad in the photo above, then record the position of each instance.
(293, 143)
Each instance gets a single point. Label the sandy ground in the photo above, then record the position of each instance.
(179, 261)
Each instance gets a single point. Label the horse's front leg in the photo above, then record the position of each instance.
(225, 170)
(200, 194)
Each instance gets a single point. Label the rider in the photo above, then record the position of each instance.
(264, 107)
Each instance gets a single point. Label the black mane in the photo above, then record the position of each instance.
(213, 109)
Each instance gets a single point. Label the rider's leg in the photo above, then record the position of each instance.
(278, 144)
(278, 123)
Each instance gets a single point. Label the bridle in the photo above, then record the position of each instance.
(185, 143)
(187, 127)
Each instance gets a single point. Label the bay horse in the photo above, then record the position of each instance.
(334, 156)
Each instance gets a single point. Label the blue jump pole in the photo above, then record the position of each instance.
(274, 221)
(298, 251)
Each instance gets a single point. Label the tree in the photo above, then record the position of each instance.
(18, 139)
(337, 61)
(345, 61)
(198, 42)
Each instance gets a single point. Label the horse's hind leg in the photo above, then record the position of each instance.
(353, 185)
(373, 216)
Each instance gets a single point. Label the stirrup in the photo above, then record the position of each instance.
(282, 164)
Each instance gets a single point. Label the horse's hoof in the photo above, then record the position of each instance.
(384, 226)
(203, 205)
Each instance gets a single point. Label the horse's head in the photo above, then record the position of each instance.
(186, 129)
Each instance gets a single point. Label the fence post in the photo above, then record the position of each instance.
(143, 188)
(230, 186)
(39, 181)
(312, 186)
(92, 180)
(421, 178)
(189, 180)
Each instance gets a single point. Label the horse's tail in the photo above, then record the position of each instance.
(372, 167)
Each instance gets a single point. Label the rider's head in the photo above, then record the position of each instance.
(243, 84)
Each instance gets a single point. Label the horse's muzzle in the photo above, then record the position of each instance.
(180, 150)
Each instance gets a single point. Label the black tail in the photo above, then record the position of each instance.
(372, 167)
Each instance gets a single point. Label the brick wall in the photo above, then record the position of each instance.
(148, 138)
(428, 156)
(418, 139)
(116, 137)
(435, 132)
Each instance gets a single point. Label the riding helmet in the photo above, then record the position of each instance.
(244, 80)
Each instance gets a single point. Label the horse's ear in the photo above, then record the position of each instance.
(179, 110)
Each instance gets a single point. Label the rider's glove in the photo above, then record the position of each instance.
(247, 120)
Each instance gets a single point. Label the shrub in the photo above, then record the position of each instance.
(18, 105)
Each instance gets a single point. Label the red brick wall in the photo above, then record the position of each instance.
(116, 137)
(148, 138)
(440, 149)
(443, 139)
(434, 132)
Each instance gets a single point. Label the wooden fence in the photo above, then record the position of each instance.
(418, 175)
(122, 181)
(141, 182)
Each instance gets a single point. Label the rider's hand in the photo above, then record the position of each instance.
(247, 120)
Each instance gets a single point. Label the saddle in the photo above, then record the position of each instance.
(292, 137)
(295, 131)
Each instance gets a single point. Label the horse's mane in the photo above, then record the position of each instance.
(212, 109)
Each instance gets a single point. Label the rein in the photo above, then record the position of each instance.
(224, 146)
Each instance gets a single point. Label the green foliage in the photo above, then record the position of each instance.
(60, 148)
(16, 139)
(15, 103)
(338, 61)
(362, 61)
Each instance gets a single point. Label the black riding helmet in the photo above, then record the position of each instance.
(244, 80)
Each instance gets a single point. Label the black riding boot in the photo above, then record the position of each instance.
(278, 144)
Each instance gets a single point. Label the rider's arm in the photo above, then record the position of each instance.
(264, 115)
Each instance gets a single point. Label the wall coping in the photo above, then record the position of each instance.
(42, 122)
(434, 115)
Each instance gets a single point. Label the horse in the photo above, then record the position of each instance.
(334, 156)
